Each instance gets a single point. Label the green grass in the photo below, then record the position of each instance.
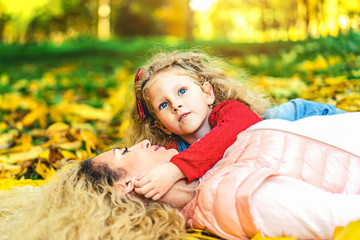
(93, 56)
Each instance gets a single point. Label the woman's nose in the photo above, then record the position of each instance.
(145, 143)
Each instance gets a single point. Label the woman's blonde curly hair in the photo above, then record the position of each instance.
(228, 82)
(80, 203)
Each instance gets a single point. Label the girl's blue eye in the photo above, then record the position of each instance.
(182, 91)
(163, 105)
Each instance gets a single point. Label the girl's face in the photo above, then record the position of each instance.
(182, 106)
(134, 162)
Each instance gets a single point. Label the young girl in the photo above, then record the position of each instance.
(184, 95)
(187, 100)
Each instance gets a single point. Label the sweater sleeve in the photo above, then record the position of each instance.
(171, 145)
(227, 120)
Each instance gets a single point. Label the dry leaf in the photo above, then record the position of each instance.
(8, 183)
(90, 140)
(45, 171)
(55, 155)
(6, 139)
(38, 113)
(68, 145)
(351, 231)
(258, 236)
(33, 153)
(58, 128)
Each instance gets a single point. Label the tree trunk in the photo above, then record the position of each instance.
(104, 19)
(189, 22)
(307, 17)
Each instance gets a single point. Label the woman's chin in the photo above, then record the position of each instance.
(140, 197)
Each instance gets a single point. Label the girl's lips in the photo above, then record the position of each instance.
(183, 116)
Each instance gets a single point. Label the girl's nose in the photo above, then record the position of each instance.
(176, 107)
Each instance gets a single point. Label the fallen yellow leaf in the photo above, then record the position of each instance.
(5, 184)
(45, 171)
(258, 236)
(90, 140)
(33, 153)
(68, 145)
(68, 154)
(57, 128)
(351, 231)
(38, 113)
(3, 126)
(9, 170)
(24, 143)
(7, 138)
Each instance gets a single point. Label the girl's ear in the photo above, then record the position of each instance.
(208, 90)
(162, 127)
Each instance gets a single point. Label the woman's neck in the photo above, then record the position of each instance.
(180, 194)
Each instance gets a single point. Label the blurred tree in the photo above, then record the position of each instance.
(245, 20)
(4, 18)
(268, 20)
(80, 15)
(39, 27)
(189, 21)
(131, 18)
(350, 14)
(307, 15)
(179, 24)
(222, 19)
(63, 18)
(104, 11)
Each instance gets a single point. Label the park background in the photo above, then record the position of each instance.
(67, 66)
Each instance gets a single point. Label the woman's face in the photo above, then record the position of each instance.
(134, 161)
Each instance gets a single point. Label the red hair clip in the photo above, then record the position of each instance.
(140, 106)
(139, 74)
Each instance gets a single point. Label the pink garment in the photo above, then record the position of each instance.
(222, 203)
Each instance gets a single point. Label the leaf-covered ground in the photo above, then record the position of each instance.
(59, 104)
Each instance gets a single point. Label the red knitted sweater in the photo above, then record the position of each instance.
(227, 119)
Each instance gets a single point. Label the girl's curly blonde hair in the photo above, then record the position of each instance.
(80, 203)
(228, 84)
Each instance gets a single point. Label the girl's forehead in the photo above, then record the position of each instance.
(155, 77)
(168, 74)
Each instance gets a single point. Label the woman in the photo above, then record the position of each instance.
(246, 192)
(280, 178)
(80, 203)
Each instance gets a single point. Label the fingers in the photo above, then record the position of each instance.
(154, 195)
(149, 191)
(144, 189)
(150, 194)
(141, 182)
(157, 197)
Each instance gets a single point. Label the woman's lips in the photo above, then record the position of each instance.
(183, 116)
(156, 147)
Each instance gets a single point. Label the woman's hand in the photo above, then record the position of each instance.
(158, 181)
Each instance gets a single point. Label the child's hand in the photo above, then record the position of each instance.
(156, 182)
